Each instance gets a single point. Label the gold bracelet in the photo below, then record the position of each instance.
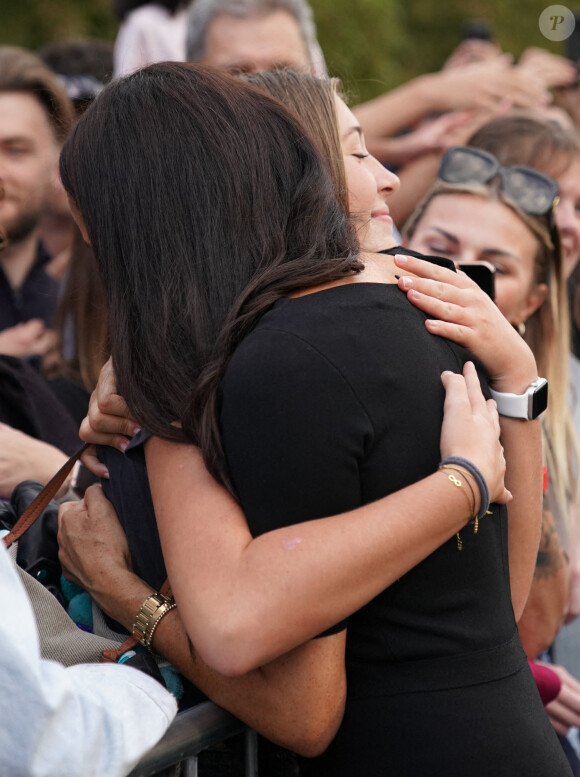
(153, 609)
(170, 606)
(458, 484)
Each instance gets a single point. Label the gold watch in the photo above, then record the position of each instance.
(148, 617)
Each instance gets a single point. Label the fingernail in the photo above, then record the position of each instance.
(406, 282)
(446, 372)
(136, 430)
(123, 446)
(106, 474)
(401, 259)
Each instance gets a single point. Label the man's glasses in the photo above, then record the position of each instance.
(532, 191)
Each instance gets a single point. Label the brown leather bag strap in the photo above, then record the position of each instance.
(112, 655)
(33, 511)
(36, 507)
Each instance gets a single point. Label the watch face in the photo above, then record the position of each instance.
(539, 400)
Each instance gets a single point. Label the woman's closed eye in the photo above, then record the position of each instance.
(438, 248)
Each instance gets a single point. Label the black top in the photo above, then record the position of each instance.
(28, 404)
(36, 298)
(335, 400)
(128, 489)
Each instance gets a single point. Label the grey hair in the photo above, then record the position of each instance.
(202, 12)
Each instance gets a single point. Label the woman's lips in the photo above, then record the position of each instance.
(382, 215)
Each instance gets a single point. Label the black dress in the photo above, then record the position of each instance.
(335, 400)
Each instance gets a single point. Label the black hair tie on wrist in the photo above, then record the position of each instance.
(477, 476)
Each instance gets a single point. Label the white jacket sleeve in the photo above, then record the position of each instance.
(92, 720)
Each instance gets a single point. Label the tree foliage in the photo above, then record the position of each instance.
(372, 45)
(378, 44)
(33, 23)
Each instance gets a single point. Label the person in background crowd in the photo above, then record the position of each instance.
(35, 117)
(547, 146)
(468, 218)
(149, 32)
(411, 126)
(80, 721)
(254, 35)
(478, 211)
(554, 149)
(83, 66)
(72, 366)
(37, 430)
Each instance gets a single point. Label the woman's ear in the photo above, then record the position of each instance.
(79, 221)
(534, 301)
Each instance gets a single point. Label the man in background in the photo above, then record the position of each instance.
(254, 35)
(35, 118)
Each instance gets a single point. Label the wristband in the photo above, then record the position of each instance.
(477, 476)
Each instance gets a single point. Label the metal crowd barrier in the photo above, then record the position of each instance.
(192, 731)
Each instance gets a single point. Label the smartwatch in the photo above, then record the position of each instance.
(528, 405)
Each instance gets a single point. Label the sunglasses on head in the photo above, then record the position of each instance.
(532, 191)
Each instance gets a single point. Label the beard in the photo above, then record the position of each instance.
(21, 226)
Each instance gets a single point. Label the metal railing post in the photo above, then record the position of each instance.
(251, 753)
(189, 767)
(192, 731)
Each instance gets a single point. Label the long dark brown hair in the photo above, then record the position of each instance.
(81, 321)
(205, 202)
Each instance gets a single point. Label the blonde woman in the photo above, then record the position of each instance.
(468, 219)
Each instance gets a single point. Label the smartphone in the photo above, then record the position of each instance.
(482, 273)
(477, 29)
(572, 45)
(440, 261)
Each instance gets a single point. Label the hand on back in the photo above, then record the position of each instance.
(471, 430)
(465, 314)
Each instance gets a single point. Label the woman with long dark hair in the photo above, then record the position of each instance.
(259, 212)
